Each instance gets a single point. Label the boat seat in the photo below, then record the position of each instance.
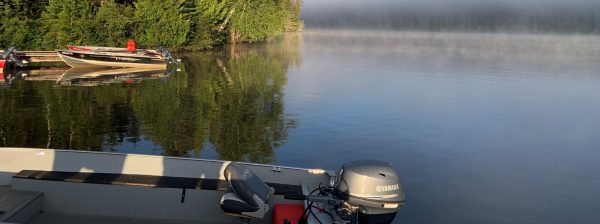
(247, 195)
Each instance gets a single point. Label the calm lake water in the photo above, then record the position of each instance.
(482, 128)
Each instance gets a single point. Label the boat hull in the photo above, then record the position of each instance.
(77, 59)
(113, 185)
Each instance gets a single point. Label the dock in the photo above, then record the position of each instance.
(37, 56)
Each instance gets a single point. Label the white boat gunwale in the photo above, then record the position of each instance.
(77, 199)
(315, 170)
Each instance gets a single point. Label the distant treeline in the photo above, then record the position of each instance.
(483, 16)
(182, 24)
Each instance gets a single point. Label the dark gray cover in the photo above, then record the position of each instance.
(246, 184)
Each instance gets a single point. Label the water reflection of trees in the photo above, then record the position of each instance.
(229, 99)
(37, 114)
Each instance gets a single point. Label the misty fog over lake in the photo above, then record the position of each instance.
(489, 109)
(559, 16)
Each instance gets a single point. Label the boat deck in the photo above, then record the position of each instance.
(38, 56)
(62, 218)
(18, 206)
(100, 187)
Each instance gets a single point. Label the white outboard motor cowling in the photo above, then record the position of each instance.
(372, 188)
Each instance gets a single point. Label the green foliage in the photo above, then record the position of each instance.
(114, 24)
(161, 22)
(68, 22)
(202, 35)
(204, 23)
(257, 20)
(187, 24)
(213, 11)
(16, 27)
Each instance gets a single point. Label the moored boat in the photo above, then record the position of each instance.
(52, 186)
(94, 59)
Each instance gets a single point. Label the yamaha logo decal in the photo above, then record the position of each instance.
(393, 187)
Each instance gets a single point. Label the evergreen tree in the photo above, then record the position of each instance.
(161, 22)
(17, 25)
(68, 22)
(114, 24)
(188, 24)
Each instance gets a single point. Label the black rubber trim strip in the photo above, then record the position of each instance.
(143, 180)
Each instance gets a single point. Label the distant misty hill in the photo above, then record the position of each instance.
(575, 16)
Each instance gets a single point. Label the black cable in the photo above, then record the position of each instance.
(313, 214)
(309, 207)
(325, 211)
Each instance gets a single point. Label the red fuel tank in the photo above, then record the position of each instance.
(287, 213)
(131, 45)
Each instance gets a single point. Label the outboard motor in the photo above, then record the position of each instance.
(371, 190)
(247, 195)
(366, 191)
(8, 52)
(166, 54)
(9, 56)
(160, 49)
(17, 61)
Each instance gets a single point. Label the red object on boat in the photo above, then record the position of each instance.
(75, 48)
(290, 212)
(131, 45)
(2, 62)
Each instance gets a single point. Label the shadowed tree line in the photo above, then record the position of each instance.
(183, 24)
(230, 100)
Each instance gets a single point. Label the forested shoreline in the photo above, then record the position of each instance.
(229, 100)
(176, 24)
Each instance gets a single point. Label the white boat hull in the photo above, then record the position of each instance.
(74, 62)
(131, 202)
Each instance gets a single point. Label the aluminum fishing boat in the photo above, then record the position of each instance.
(130, 57)
(95, 59)
(61, 186)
